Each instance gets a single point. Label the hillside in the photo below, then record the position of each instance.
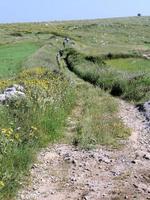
(74, 97)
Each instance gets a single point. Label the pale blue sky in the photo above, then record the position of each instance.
(48, 10)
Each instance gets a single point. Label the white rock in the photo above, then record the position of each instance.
(11, 89)
(14, 95)
(2, 98)
(18, 87)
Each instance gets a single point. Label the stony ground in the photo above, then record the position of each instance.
(63, 172)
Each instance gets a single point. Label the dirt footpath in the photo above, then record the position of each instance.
(64, 172)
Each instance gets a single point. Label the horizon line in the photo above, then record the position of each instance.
(71, 20)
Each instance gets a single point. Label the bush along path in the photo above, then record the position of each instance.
(65, 171)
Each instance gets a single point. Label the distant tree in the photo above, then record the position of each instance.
(139, 15)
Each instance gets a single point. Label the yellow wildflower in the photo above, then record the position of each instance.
(7, 131)
(16, 136)
(3, 130)
(1, 184)
(34, 128)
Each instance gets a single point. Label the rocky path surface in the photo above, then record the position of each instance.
(63, 172)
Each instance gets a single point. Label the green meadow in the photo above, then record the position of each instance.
(12, 55)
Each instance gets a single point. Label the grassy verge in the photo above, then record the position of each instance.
(132, 85)
(12, 56)
(99, 123)
(30, 123)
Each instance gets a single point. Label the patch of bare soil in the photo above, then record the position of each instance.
(64, 172)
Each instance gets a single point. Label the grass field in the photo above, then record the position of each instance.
(131, 65)
(12, 56)
(106, 53)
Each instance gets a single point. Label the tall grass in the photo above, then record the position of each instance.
(30, 123)
(99, 123)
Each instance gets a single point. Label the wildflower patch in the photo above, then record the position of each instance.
(31, 122)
